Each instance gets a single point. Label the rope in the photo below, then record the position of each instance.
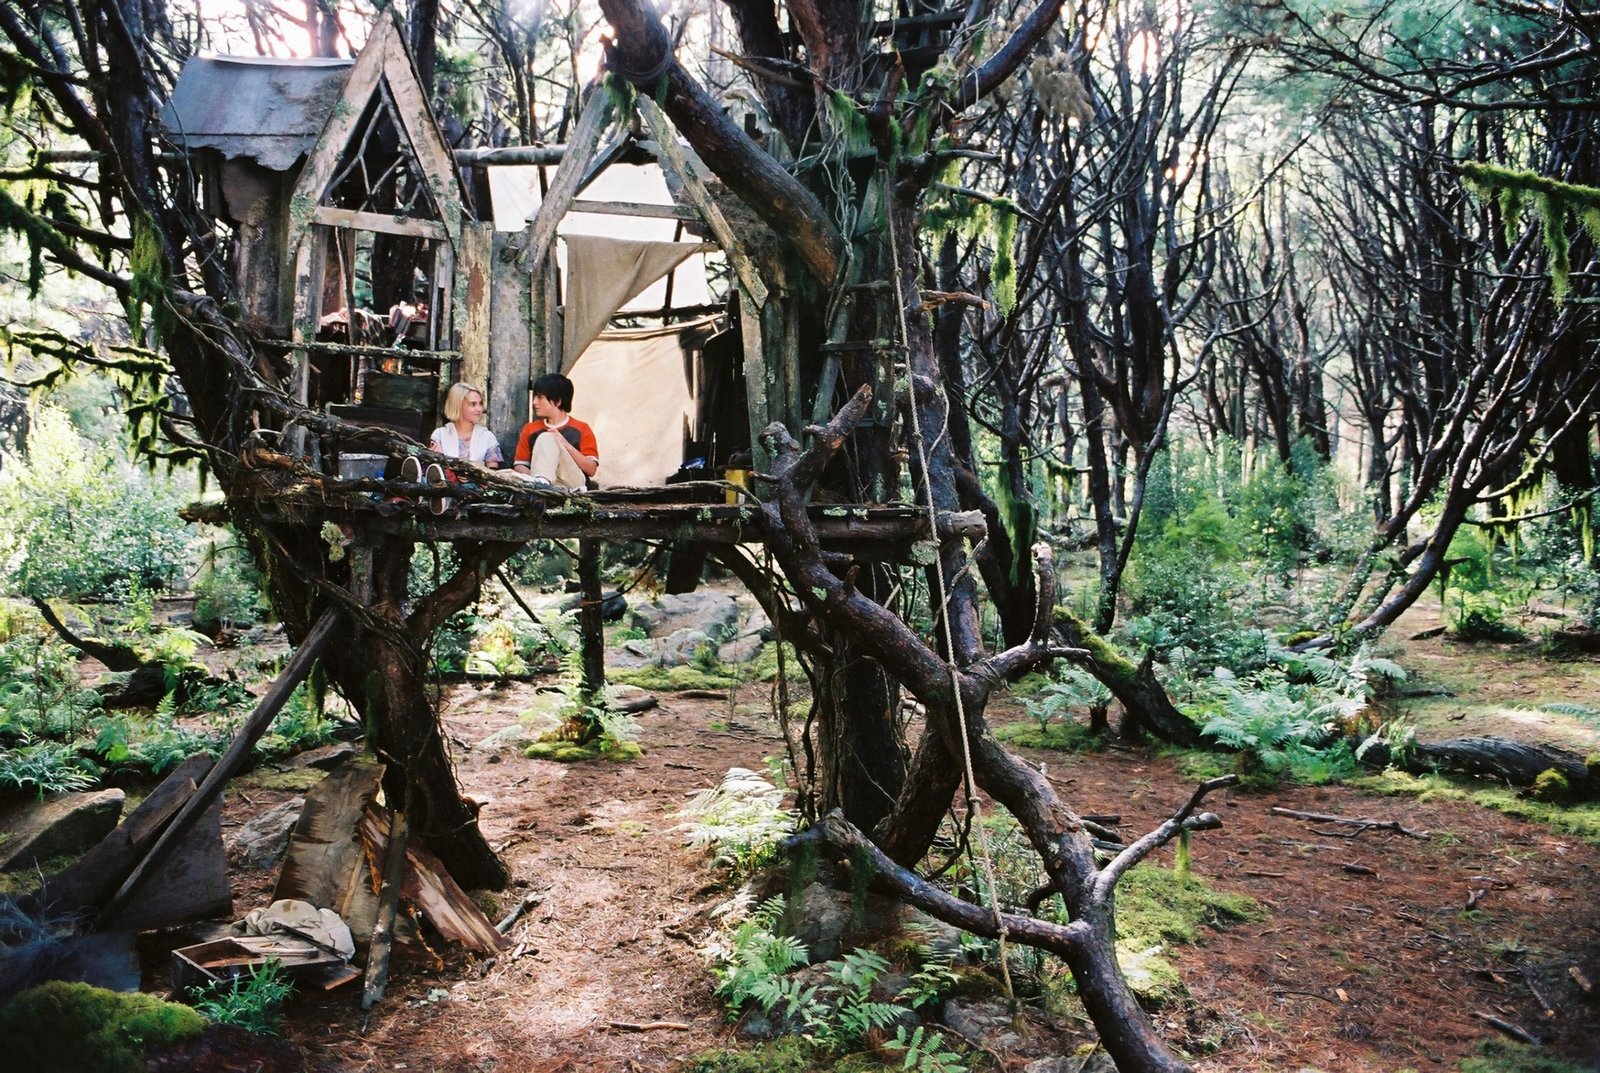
(973, 808)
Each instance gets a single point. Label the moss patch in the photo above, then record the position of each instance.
(1580, 819)
(672, 679)
(298, 780)
(1060, 736)
(787, 1054)
(75, 1028)
(1495, 1056)
(566, 752)
(1155, 908)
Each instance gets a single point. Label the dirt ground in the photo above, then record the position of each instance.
(1368, 959)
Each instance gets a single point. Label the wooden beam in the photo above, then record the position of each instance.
(293, 673)
(355, 220)
(635, 208)
(536, 258)
(543, 155)
(672, 156)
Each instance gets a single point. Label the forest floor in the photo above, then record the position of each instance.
(1367, 957)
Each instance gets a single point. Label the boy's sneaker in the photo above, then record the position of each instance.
(435, 475)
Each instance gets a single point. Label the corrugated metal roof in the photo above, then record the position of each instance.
(262, 107)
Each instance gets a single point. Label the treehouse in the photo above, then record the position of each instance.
(376, 266)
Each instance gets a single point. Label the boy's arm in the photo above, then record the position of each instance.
(585, 463)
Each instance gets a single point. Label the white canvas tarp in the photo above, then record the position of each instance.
(604, 273)
(633, 389)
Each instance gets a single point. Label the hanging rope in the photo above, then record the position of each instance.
(973, 808)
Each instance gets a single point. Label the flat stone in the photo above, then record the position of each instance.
(712, 613)
(741, 649)
(327, 757)
(35, 831)
(261, 842)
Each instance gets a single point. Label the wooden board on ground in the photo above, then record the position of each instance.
(325, 863)
(191, 885)
(429, 887)
(92, 878)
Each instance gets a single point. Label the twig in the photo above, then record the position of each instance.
(1580, 979)
(1516, 1032)
(1351, 821)
(1359, 870)
(1546, 1007)
(528, 902)
(648, 1026)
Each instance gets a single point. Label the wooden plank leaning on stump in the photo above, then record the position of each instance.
(293, 673)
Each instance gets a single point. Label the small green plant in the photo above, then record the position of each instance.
(755, 955)
(252, 1001)
(46, 767)
(741, 821)
(925, 1051)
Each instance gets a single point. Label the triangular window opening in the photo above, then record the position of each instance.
(378, 171)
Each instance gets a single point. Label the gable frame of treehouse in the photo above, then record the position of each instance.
(383, 80)
(769, 361)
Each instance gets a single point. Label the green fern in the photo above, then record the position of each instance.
(925, 1052)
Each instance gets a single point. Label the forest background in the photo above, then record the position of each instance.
(1268, 317)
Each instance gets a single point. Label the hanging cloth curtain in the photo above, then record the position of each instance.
(602, 275)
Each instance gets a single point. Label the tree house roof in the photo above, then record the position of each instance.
(264, 108)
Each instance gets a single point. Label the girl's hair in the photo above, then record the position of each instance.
(456, 396)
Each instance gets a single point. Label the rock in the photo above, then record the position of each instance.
(681, 646)
(261, 842)
(974, 1018)
(634, 653)
(712, 613)
(741, 649)
(756, 624)
(35, 831)
(1098, 1062)
(326, 758)
(825, 920)
(613, 605)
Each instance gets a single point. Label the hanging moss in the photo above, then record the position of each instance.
(1519, 190)
(850, 121)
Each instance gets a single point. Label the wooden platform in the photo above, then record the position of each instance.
(693, 513)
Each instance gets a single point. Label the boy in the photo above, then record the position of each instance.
(569, 456)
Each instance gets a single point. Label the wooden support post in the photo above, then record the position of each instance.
(394, 870)
(298, 667)
(591, 621)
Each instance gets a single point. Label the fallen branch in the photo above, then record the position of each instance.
(648, 1026)
(1516, 1032)
(1351, 821)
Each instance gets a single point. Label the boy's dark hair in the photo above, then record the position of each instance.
(556, 388)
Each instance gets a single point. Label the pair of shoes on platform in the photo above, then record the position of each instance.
(411, 471)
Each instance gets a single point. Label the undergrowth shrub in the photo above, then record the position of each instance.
(741, 821)
(83, 522)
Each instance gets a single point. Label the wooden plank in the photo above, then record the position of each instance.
(298, 667)
(755, 380)
(428, 145)
(394, 864)
(510, 344)
(192, 885)
(477, 247)
(672, 156)
(635, 208)
(326, 863)
(92, 878)
(564, 184)
(355, 220)
(428, 886)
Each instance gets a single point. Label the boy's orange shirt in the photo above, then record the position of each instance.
(575, 432)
